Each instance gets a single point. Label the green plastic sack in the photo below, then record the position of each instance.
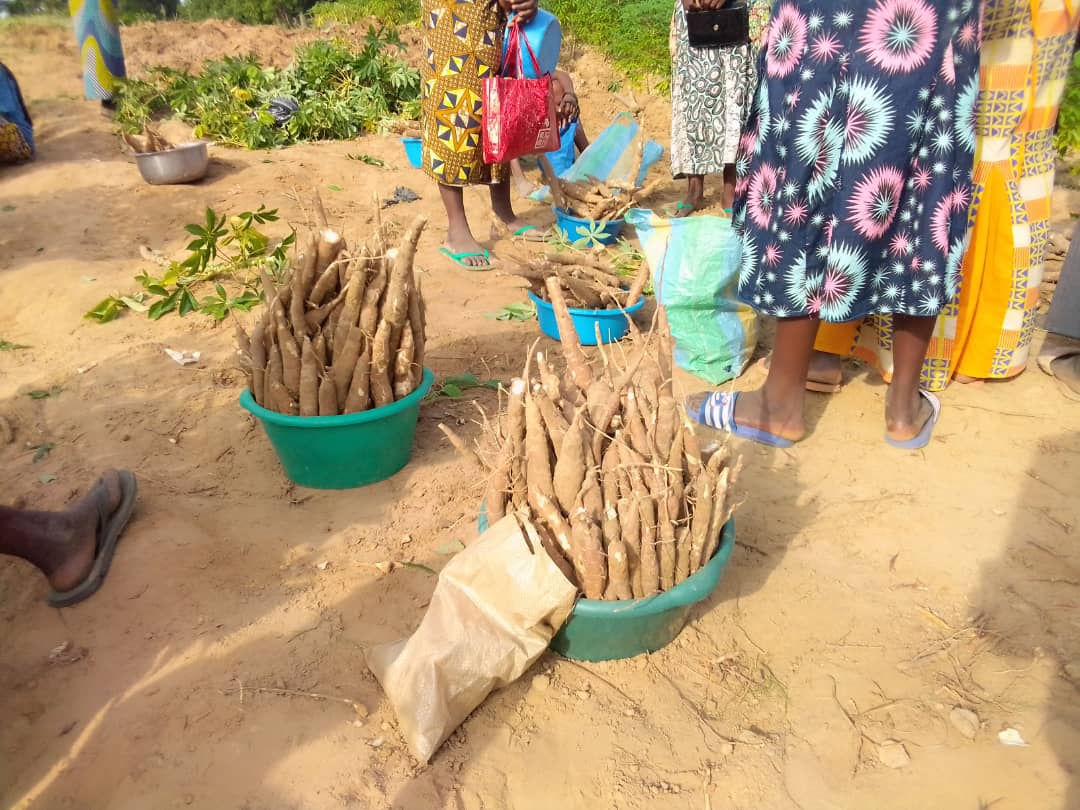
(695, 269)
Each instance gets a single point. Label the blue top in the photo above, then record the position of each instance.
(544, 34)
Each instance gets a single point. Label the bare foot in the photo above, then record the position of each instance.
(80, 534)
(906, 416)
(753, 410)
(467, 246)
(525, 187)
(501, 229)
(686, 207)
(826, 371)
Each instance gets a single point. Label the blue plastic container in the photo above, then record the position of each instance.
(414, 150)
(613, 323)
(544, 34)
(587, 233)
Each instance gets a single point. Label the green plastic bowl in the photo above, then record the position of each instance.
(605, 631)
(342, 452)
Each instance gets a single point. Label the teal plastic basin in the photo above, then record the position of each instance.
(598, 630)
(342, 452)
(606, 631)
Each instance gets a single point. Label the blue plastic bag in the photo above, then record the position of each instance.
(695, 270)
(610, 157)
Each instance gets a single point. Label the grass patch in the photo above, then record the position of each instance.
(1067, 138)
(633, 33)
(388, 12)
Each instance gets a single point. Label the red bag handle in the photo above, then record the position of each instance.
(513, 54)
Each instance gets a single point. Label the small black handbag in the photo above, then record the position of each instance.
(718, 28)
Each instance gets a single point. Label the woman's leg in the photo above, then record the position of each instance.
(502, 207)
(728, 200)
(695, 195)
(524, 185)
(906, 411)
(777, 407)
(459, 237)
(581, 140)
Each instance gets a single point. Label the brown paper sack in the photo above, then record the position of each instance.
(495, 608)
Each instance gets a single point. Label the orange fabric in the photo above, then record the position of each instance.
(986, 331)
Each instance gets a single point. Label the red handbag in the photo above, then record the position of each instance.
(518, 113)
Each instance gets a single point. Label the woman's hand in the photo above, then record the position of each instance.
(524, 9)
(569, 110)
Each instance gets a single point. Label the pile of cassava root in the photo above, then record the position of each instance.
(345, 332)
(603, 462)
(595, 199)
(150, 141)
(586, 279)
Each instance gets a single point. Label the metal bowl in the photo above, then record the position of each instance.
(185, 163)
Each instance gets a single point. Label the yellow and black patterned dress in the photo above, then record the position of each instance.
(463, 46)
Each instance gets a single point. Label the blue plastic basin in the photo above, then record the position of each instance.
(414, 151)
(587, 233)
(613, 323)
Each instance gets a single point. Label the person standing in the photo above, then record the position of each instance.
(97, 30)
(1060, 354)
(710, 96)
(855, 183)
(985, 331)
(463, 46)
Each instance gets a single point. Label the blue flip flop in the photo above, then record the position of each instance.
(927, 431)
(718, 412)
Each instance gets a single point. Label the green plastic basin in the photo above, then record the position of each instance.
(604, 631)
(342, 452)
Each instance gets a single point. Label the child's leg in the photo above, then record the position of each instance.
(581, 141)
(523, 184)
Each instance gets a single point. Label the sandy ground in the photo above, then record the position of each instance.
(872, 592)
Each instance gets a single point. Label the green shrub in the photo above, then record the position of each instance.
(341, 94)
(388, 12)
(252, 12)
(634, 35)
(1067, 138)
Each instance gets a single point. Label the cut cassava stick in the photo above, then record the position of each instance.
(570, 464)
(309, 380)
(359, 396)
(258, 363)
(588, 555)
(578, 367)
(403, 365)
(327, 250)
(327, 397)
(515, 427)
(382, 393)
(618, 573)
(290, 359)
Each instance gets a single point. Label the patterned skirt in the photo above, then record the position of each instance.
(986, 330)
(463, 46)
(710, 94)
(855, 164)
(97, 30)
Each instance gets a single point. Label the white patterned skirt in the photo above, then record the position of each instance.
(710, 96)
